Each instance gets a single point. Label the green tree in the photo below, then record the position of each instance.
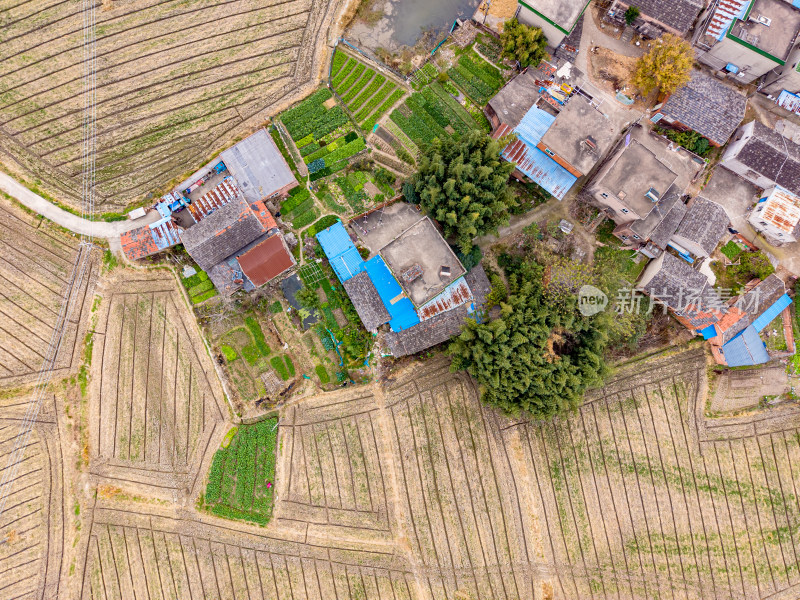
(528, 45)
(666, 67)
(464, 186)
(535, 357)
(631, 14)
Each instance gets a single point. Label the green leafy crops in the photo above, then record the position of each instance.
(241, 481)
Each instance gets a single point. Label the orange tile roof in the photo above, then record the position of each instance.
(263, 214)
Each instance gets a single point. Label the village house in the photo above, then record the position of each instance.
(556, 18)
(561, 130)
(411, 279)
(220, 216)
(657, 17)
(764, 157)
(777, 216)
(746, 39)
(706, 105)
(641, 186)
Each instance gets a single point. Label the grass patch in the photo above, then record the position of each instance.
(276, 307)
(251, 354)
(283, 366)
(109, 261)
(242, 475)
(605, 233)
(226, 441)
(731, 250)
(204, 297)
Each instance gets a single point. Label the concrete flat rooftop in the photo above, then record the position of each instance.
(777, 38)
(635, 172)
(423, 249)
(380, 227)
(562, 12)
(576, 122)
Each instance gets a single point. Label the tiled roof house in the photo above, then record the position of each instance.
(764, 157)
(705, 104)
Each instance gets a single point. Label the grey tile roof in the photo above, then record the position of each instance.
(772, 155)
(443, 326)
(704, 223)
(366, 301)
(686, 291)
(428, 333)
(222, 233)
(663, 220)
(677, 14)
(763, 295)
(710, 107)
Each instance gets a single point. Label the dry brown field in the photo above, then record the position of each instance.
(176, 80)
(36, 264)
(410, 489)
(155, 399)
(31, 533)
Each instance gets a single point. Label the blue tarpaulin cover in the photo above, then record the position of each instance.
(709, 332)
(401, 309)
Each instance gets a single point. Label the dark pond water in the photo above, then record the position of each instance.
(404, 21)
(409, 18)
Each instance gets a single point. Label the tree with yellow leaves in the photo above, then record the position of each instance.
(666, 67)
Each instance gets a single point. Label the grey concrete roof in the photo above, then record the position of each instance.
(663, 220)
(366, 301)
(636, 171)
(710, 107)
(770, 154)
(576, 122)
(258, 166)
(562, 12)
(222, 233)
(777, 38)
(677, 14)
(516, 98)
(704, 223)
(422, 245)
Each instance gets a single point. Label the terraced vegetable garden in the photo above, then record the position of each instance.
(324, 135)
(432, 113)
(241, 481)
(477, 78)
(199, 287)
(366, 93)
(299, 208)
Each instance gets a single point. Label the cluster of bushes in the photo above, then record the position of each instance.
(477, 78)
(242, 475)
(691, 140)
(323, 223)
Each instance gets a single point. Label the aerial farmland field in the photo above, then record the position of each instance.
(176, 81)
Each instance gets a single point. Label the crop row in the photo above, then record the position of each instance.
(358, 86)
(443, 114)
(329, 148)
(379, 97)
(458, 111)
(424, 76)
(320, 123)
(351, 79)
(425, 116)
(373, 87)
(477, 78)
(339, 60)
(379, 112)
(401, 137)
(328, 170)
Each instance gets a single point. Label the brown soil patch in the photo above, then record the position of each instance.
(612, 72)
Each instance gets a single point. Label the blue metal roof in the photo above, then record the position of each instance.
(746, 348)
(341, 252)
(534, 125)
(401, 309)
(766, 317)
(531, 160)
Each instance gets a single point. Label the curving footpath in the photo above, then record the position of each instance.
(76, 224)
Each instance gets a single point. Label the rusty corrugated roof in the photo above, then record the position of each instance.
(266, 261)
(453, 296)
(782, 209)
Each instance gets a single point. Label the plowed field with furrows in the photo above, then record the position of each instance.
(36, 266)
(176, 80)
